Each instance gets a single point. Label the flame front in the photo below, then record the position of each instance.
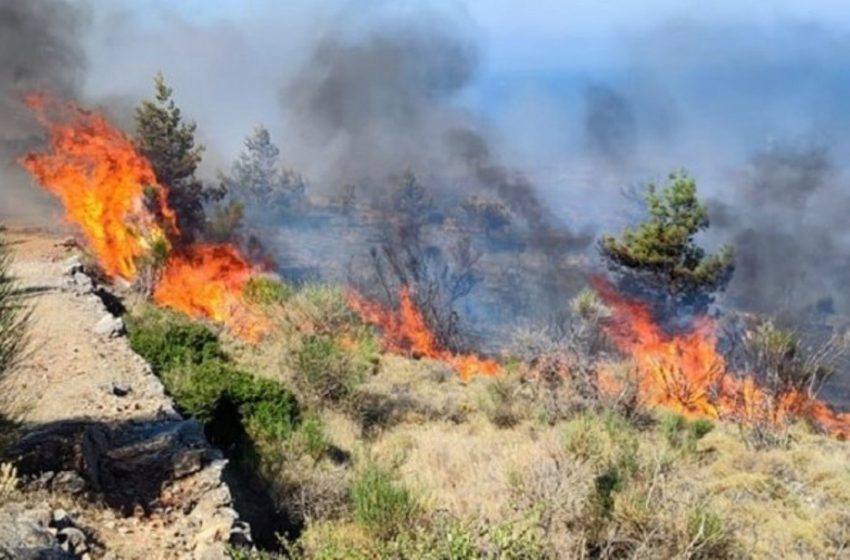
(407, 332)
(209, 281)
(107, 188)
(110, 191)
(686, 373)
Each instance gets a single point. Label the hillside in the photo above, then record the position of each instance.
(385, 456)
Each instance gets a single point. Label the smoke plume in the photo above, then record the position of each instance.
(40, 48)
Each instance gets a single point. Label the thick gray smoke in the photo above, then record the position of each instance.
(40, 50)
(376, 103)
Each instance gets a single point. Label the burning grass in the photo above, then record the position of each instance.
(407, 332)
(685, 372)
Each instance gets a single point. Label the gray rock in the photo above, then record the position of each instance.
(24, 536)
(121, 389)
(73, 540)
(83, 283)
(109, 325)
(61, 520)
(72, 265)
(128, 463)
(69, 482)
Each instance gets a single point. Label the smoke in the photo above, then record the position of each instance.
(40, 49)
(609, 124)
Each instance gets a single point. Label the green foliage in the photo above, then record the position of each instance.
(682, 433)
(326, 370)
(326, 308)
(168, 142)
(262, 290)
(501, 407)
(196, 372)
(258, 181)
(167, 340)
(311, 438)
(382, 504)
(14, 315)
(660, 259)
(709, 535)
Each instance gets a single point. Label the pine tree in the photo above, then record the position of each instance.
(660, 261)
(168, 142)
(258, 181)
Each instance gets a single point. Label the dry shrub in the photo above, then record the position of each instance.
(605, 495)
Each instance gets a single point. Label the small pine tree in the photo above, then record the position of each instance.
(258, 181)
(660, 261)
(168, 142)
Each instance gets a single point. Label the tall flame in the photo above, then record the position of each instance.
(686, 373)
(110, 191)
(107, 188)
(407, 332)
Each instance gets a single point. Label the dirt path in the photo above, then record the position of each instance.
(71, 371)
(73, 374)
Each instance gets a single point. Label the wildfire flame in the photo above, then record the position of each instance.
(110, 191)
(105, 185)
(407, 332)
(686, 373)
(209, 281)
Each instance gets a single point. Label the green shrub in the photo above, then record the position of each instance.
(682, 433)
(311, 438)
(188, 358)
(500, 406)
(382, 504)
(267, 408)
(263, 290)
(708, 535)
(325, 370)
(165, 339)
(326, 308)
(14, 315)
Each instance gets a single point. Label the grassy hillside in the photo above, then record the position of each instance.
(373, 455)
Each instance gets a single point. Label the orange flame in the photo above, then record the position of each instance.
(110, 191)
(686, 373)
(408, 333)
(103, 183)
(209, 281)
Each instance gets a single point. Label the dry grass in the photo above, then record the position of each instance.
(595, 484)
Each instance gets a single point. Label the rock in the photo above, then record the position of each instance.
(83, 283)
(129, 463)
(61, 520)
(72, 266)
(24, 536)
(109, 326)
(121, 389)
(73, 540)
(69, 482)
